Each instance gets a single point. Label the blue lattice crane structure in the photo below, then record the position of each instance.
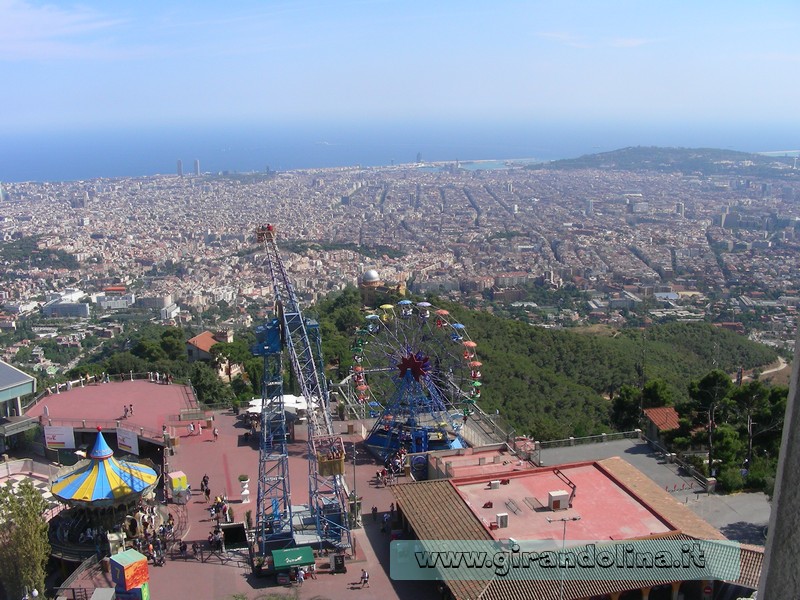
(329, 507)
(274, 520)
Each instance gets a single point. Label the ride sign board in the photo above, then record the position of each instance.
(127, 441)
(57, 437)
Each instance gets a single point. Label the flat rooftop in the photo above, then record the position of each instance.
(607, 510)
(476, 462)
(102, 404)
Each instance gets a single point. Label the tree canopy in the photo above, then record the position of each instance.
(24, 546)
(557, 383)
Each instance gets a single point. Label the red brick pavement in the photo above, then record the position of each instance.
(223, 461)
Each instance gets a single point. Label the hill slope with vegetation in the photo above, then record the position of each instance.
(546, 383)
(705, 161)
(557, 383)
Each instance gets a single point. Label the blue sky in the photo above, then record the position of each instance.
(97, 64)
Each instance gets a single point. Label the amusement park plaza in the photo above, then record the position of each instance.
(486, 493)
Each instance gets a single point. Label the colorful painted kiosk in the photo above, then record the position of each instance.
(178, 487)
(130, 575)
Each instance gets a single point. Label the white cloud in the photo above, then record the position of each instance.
(629, 42)
(779, 57)
(29, 31)
(577, 41)
(567, 39)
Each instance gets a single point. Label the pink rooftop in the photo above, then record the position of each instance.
(606, 509)
(102, 405)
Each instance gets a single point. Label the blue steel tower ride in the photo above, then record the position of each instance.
(300, 336)
(273, 505)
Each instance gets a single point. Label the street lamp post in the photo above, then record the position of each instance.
(563, 520)
(355, 458)
(711, 426)
(354, 491)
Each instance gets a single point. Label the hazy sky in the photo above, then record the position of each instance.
(95, 63)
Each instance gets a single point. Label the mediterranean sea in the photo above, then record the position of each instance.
(109, 152)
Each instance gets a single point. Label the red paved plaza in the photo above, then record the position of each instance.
(223, 461)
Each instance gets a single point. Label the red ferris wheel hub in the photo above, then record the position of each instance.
(414, 364)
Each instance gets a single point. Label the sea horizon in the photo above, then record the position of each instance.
(240, 148)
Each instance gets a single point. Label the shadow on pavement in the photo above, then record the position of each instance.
(747, 533)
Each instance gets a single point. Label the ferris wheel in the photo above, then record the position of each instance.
(417, 371)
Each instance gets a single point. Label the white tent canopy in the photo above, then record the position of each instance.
(290, 402)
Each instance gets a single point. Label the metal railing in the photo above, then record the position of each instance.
(27, 466)
(68, 385)
(92, 424)
(591, 439)
(77, 593)
(674, 458)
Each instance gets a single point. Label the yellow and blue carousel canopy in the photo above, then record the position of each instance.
(104, 481)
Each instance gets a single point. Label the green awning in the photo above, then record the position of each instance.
(293, 557)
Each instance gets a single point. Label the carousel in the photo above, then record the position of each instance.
(104, 495)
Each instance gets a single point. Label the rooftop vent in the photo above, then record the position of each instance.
(558, 500)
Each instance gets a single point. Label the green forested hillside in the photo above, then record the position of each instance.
(709, 161)
(546, 383)
(556, 383)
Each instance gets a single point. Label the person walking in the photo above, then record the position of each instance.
(301, 576)
(374, 514)
(364, 578)
(386, 527)
(130, 410)
(216, 434)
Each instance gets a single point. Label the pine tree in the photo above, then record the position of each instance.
(24, 545)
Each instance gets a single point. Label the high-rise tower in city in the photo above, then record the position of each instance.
(197, 166)
(180, 168)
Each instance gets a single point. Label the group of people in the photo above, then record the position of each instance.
(384, 477)
(220, 510)
(156, 534)
(127, 410)
(197, 549)
(154, 550)
(392, 466)
(87, 535)
(300, 574)
(198, 429)
(216, 539)
(157, 377)
(333, 454)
